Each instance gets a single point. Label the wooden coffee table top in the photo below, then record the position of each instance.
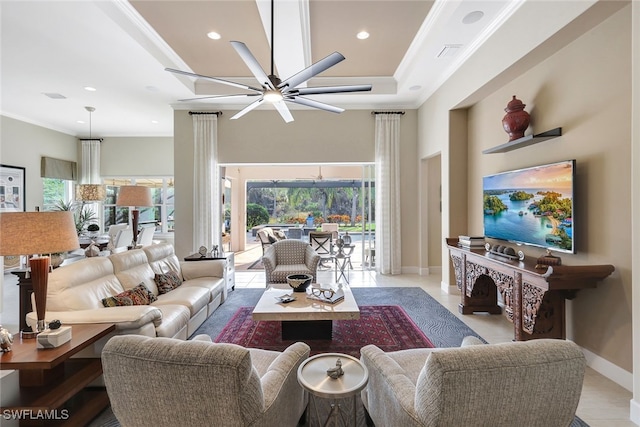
(303, 308)
(25, 355)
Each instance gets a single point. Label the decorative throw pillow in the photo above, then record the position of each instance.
(272, 239)
(140, 295)
(167, 282)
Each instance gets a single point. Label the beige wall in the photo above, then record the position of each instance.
(584, 88)
(23, 144)
(136, 156)
(261, 137)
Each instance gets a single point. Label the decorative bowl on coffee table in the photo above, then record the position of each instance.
(299, 282)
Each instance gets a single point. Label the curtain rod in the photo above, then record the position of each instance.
(387, 112)
(217, 113)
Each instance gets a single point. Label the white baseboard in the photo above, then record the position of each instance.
(613, 372)
(410, 270)
(634, 413)
(449, 289)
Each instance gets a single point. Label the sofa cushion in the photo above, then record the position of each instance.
(132, 268)
(194, 298)
(174, 319)
(139, 295)
(167, 282)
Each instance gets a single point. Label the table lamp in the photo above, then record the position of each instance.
(90, 192)
(36, 233)
(134, 195)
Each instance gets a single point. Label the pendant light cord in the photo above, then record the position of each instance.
(272, 39)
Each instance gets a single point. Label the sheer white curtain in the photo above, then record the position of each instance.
(388, 242)
(206, 182)
(90, 165)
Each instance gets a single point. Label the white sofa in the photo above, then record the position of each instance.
(75, 292)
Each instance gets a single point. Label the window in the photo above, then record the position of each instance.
(160, 214)
(54, 191)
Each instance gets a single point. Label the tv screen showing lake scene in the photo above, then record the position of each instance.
(532, 206)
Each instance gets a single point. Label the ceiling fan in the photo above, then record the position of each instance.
(273, 90)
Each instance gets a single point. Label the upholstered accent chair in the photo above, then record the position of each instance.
(290, 256)
(169, 382)
(526, 383)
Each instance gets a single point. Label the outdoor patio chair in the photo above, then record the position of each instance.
(322, 243)
(332, 228)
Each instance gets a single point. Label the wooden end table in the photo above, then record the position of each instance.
(54, 384)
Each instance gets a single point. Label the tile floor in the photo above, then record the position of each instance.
(603, 402)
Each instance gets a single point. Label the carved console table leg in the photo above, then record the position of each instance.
(480, 293)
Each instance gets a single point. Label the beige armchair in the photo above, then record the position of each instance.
(287, 257)
(168, 382)
(526, 383)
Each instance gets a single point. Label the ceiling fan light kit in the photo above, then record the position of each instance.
(275, 91)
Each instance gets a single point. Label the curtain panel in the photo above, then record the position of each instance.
(207, 218)
(90, 165)
(388, 227)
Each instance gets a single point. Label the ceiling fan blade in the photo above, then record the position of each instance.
(215, 79)
(315, 104)
(284, 111)
(252, 63)
(248, 108)
(312, 70)
(328, 89)
(238, 95)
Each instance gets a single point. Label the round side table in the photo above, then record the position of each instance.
(313, 377)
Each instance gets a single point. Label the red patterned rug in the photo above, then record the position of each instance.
(387, 326)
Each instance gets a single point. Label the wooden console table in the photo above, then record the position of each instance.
(534, 299)
(53, 382)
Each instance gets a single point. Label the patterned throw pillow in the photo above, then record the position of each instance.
(140, 295)
(167, 282)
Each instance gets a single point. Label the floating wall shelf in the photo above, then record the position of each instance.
(524, 141)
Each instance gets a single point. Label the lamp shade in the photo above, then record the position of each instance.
(27, 233)
(90, 192)
(134, 195)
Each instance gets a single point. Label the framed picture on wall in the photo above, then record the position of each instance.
(12, 189)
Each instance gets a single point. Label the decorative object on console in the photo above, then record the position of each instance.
(202, 251)
(27, 233)
(504, 251)
(135, 196)
(516, 121)
(547, 260)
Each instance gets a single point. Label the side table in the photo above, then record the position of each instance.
(312, 376)
(229, 270)
(342, 267)
(52, 382)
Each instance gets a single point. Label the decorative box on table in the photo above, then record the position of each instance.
(52, 338)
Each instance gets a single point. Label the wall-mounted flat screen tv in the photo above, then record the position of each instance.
(532, 206)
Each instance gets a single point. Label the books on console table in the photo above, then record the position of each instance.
(471, 242)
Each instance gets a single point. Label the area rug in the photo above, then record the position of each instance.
(387, 326)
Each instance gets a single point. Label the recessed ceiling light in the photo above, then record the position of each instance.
(214, 36)
(80, 121)
(473, 17)
(90, 89)
(362, 35)
(155, 122)
(415, 87)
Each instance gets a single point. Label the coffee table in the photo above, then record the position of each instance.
(305, 318)
(52, 382)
